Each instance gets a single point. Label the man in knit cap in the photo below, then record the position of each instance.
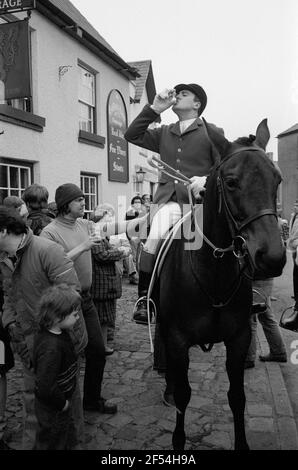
(77, 236)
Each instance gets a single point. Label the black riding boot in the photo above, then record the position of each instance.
(258, 308)
(145, 271)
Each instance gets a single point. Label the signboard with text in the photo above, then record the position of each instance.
(12, 6)
(117, 145)
(14, 60)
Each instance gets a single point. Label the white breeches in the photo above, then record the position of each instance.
(165, 217)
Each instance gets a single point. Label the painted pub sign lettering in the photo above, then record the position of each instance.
(9, 6)
(117, 145)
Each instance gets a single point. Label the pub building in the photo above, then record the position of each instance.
(66, 99)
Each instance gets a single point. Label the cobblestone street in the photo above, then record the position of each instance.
(143, 421)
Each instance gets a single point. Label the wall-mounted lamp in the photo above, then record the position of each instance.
(140, 175)
(63, 69)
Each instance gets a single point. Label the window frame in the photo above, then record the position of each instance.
(93, 107)
(89, 195)
(20, 164)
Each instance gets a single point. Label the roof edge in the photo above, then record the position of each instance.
(63, 21)
(282, 134)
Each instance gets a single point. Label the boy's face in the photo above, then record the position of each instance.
(68, 322)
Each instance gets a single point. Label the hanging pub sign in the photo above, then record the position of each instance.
(12, 6)
(14, 60)
(117, 145)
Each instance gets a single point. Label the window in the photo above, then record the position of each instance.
(89, 185)
(24, 104)
(86, 100)
(14, 179)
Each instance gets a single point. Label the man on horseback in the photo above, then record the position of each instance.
(184, 146)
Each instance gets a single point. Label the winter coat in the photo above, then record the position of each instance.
(40, 263)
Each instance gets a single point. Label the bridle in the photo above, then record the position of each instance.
(236, 226)
(239, 246)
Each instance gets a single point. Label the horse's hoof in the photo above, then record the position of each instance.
(242, 447)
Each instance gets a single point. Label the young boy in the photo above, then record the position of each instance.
(55, 365)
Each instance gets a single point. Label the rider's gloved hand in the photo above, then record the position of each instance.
(164, 100)
(150, 160)
(197, 186)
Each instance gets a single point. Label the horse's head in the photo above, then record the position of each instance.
(247, 182)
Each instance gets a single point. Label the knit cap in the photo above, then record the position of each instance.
(66, 193)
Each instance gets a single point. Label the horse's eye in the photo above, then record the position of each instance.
(231, 183)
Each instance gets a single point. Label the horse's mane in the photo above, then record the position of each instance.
(246, 141)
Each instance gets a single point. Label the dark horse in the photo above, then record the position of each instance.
(204, 296)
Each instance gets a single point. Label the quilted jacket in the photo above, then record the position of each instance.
(40, 263)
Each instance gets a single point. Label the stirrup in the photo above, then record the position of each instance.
(141, 316)
(290, 323)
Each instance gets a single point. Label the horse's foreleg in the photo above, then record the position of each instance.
(178, 372)
(236, 355)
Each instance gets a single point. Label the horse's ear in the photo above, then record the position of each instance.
(262, 134)
(217, 137)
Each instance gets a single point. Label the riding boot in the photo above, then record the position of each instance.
(145, 271)
(258, 308)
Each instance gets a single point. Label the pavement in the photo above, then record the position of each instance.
(143, 422)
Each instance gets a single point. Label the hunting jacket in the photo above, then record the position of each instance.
(106, 280)
(39, 264)
(190, 153)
